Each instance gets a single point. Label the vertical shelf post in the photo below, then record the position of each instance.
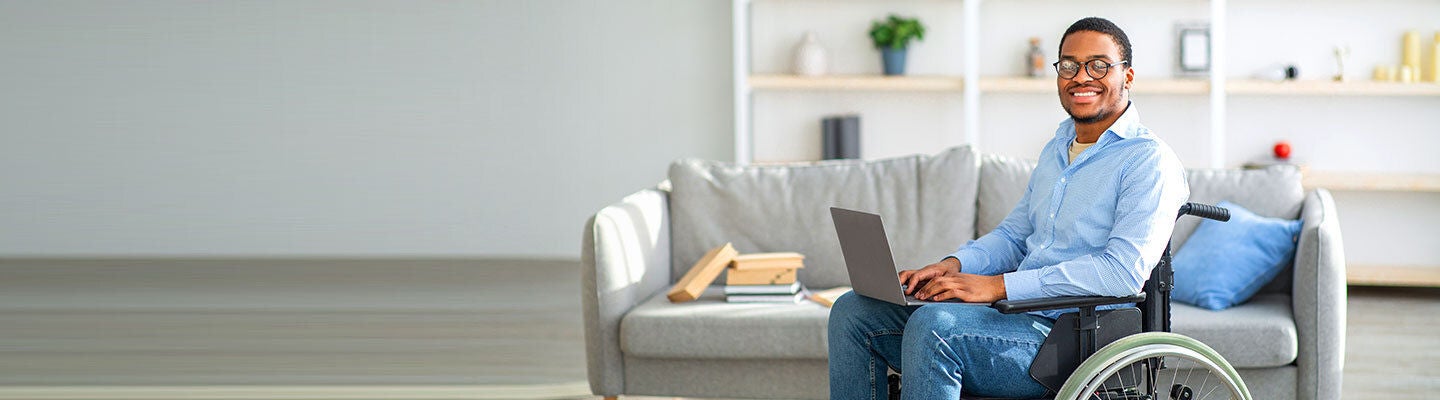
(1217, 83)
(970, 86)
(740, 50)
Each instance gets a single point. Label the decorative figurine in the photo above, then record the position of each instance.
(1384, 73)
(1282, 151)
(1035, 60)
(1341, 52)
(1410, 52)
(1435, 60)
(810, 57)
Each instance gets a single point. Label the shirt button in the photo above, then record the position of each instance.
(1052, 215)
(1062, 180)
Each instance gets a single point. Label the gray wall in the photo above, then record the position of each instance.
(370, 128)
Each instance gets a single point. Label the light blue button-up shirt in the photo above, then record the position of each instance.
(1092, 227)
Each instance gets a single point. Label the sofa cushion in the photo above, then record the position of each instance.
(927, 203)
(1002, 183)
(1257, 334)
(711, 328)
(1227, 262)
(1273, 192)
(1270, 192)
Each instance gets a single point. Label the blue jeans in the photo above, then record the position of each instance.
(937, 348)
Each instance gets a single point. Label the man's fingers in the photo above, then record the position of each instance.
(907, 278)
(917, 278)
(945, 295)
(935, 286)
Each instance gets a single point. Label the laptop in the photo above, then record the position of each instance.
(868, 258)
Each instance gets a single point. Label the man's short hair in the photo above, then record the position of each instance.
(1097, 24)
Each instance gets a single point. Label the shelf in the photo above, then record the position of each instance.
(858, 83)
(1328, 88)
(1047, 86)
(1392, 275)
(1365, 181)
(951, 84)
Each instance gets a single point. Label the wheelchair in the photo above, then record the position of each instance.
(1125, 353)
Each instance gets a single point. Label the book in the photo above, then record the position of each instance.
(776, 276)
(765, 298)
(762, 289)
(827, 297)
(768, 261)
(702, 273)
(840, 137)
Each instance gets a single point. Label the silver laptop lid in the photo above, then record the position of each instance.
(867, 255)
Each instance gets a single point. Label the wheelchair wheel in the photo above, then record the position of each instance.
(1154, 366)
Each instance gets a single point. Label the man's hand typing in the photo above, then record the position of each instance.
(913, 279)
(969, 288)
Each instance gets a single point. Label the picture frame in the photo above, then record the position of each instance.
(1192, 45)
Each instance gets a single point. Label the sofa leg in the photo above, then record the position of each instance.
(612, 397)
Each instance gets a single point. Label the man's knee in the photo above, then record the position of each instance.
(852, 310)
(846, 310)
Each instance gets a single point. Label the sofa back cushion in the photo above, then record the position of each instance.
(927, 203)
(1270, 192)
(1002, 183)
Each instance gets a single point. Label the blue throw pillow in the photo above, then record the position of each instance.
(1224, 263)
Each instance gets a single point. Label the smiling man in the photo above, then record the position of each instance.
(1094, 220)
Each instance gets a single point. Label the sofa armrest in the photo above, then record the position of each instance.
(1319, 299)
(625, 258)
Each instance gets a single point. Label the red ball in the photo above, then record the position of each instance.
(1282, 150)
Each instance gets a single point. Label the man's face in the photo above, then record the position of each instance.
(1086, 99)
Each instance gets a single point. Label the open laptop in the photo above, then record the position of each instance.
(868, 258)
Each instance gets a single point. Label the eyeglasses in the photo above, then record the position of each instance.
(1096, 68)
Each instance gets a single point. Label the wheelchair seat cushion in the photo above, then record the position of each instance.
(1225, 263)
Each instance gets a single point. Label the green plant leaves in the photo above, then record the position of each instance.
(896, 32)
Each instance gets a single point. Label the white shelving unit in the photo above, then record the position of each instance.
(1217, 88)
(746, 84)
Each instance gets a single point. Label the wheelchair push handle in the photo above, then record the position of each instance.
(1205, 211)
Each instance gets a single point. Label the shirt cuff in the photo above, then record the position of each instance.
(969, 260)
(1023, 285)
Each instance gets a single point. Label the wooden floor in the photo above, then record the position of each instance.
(415, 329)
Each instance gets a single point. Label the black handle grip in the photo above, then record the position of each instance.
(1205, 211)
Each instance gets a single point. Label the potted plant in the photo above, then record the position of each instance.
(892, 35)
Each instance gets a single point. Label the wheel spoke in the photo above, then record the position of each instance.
(1207, 392)
(1156, 353)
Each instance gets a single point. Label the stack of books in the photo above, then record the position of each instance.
(764, 278)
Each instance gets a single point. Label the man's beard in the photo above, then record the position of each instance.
(1100, 115)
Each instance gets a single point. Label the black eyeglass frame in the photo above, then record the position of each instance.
(1086, 66)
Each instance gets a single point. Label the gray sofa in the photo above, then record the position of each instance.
(1288, 341)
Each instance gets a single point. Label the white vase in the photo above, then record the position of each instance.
(810, 57)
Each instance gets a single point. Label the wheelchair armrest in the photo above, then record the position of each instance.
(1054, 303)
